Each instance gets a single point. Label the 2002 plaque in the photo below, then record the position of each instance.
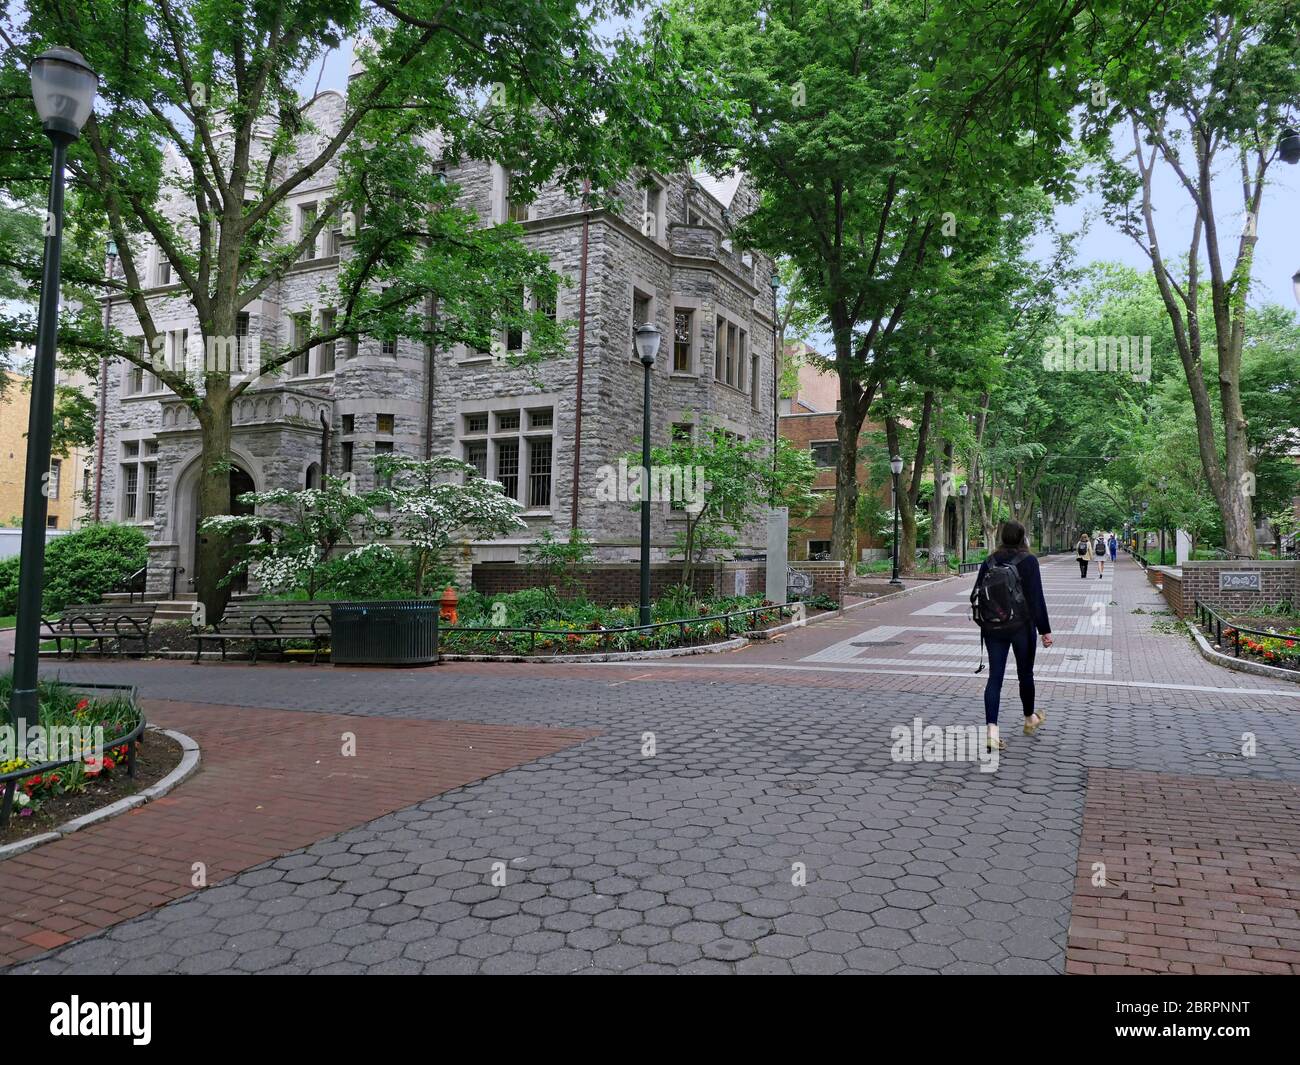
(1230, 581)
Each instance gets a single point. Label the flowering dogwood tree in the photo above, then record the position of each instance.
(288, 541)
(434, 500)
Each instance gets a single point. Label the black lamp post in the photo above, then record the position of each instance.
(63, 88)
(1288, 147)
(647, 347)
(777, 356)
(963, 490)
(896, 467)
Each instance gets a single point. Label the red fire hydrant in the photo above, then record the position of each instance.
(447, 605)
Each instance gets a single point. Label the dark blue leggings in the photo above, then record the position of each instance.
(1024, 644)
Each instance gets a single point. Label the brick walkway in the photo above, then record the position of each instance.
(270, 782)
(764, 763)
(1202, 876)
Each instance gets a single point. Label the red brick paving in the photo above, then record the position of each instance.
(1203, 872)
(270, 782)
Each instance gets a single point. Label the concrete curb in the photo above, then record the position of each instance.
(1259, 669)
(189, 764)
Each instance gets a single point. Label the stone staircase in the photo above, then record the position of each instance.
(169, 611)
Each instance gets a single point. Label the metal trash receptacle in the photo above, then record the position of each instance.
(401, 632)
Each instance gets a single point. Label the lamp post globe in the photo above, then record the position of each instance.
(63, 90)
(647, 337)
(895, 467)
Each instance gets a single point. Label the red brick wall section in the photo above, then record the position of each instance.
(1173, 593)
(1278, 581)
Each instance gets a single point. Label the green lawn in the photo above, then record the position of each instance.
(8, 621)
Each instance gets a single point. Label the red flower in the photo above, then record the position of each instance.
(83, 704)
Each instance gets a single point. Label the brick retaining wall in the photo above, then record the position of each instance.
(1200, 580)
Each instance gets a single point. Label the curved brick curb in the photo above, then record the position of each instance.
(1228, 662)
(188, 765)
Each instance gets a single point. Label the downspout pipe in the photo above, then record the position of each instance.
(582, 350)
(103, 394)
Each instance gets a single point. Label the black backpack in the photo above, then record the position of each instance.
(998, 603)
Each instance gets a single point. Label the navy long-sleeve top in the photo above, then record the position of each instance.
(1031, 583)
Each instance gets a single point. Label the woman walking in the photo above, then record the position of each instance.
(1082, 551)
(1013, 551)
(1099, 549)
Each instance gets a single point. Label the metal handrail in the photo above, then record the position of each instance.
(1212, 620)
(607, 634)
(129, 584)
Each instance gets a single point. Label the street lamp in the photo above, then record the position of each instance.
(965, 488)
(777, 356)
(63, 89)
(896, 467)
(647, 347)
(1295, 285)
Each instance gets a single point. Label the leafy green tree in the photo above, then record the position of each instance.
(288, 543)
(1215, 86)
(199, 114)
(431, 501)
(732, 479)
(872, 139)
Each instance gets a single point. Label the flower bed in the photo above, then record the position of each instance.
(112, 718)
(536, 622)
(1281, 650)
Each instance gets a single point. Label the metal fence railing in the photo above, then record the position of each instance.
(1215, 624)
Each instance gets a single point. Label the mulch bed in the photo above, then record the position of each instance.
(156, 756)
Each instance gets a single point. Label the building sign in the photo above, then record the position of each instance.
(1247, 581)
(798, 583)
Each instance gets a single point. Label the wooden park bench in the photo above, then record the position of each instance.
(257, 623)
(98, 622)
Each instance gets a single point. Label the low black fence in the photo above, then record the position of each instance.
(1215, 624)
(9, 781)
(602, 637)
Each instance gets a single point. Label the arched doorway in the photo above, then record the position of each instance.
(240, 482)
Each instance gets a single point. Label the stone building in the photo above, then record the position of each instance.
(665, 257)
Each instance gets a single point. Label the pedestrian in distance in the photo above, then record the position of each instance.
(1099, 549)
(1113, 544)
(1082, 552)
(1008, 605)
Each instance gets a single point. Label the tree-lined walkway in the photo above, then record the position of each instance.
(746, 813)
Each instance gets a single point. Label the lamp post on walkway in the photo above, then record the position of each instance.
(647, 347)
(63, 88)
(964, 537)
(896, 467)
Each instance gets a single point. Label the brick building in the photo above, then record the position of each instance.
(665, 257)
(807, 420)
(70, 475)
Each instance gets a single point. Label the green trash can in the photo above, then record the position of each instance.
(401, 632)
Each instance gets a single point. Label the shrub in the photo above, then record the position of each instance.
(9, 586)
(371, 572)
(82, 566)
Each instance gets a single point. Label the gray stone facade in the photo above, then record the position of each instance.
(660, 254)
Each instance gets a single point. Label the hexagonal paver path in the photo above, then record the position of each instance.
(270, 782)
(767, 832)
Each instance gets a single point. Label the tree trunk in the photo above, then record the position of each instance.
(213, 559)
(939, 503)
(855, 402)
